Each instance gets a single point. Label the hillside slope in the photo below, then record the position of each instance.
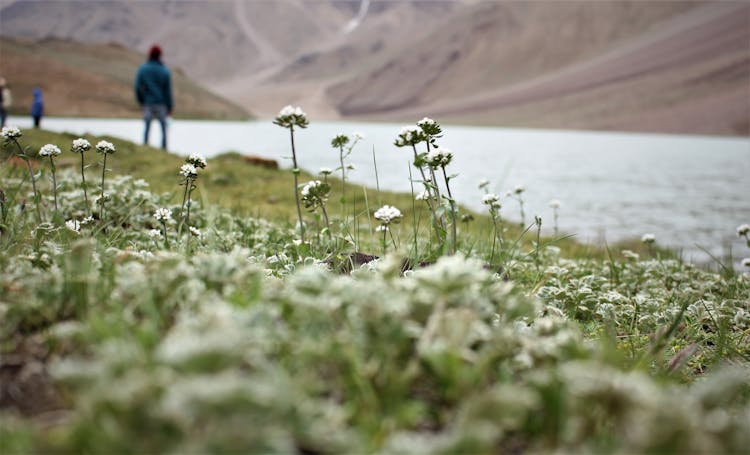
(94, 80)
(672, 66)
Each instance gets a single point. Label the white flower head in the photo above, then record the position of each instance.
(10, 132)
(195, 231)
(197, 160)
(291, 116)
(388, 214)
(409, 135)
(73, 225)
(188, 171)
(746, 262)
(49, 150)
(153, 233)
(439, 157)
(743, 230)
(554, 203)
(519, 189)
(648, 238)
(105, 147)
(483, 183)
(382, 228)
(491, 199)
(325, 171)
(423, 196)
(163, 215)
(80, 145)
(630, 255)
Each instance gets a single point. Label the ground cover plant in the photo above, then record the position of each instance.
(175, 321)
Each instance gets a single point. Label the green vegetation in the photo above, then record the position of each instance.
(143, 330)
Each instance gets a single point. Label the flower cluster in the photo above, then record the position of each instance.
(314, 194)
(743, 230)
(430, 127)
(196, 160)
(519, 189)
(10, 132)
(554, 203)
(439, 157)
(49, 150)
(388, 214)
(325, 171)
(104, 147)
(339, 140)
(648, 238)
(492, 200)
(290, 117)
(188, 171)
(409, 136)
(163, 215)
(80, 145)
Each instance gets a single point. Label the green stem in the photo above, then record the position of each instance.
(453, 210)
(296, 185)
(54, 181)
(83, 185)
(23, 156)
(101, 198)
(325, 217)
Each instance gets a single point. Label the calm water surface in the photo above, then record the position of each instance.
(689, 191)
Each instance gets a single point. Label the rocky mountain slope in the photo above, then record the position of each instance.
(94, 80)
(625, 65)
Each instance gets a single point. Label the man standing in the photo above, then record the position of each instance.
(153, 90)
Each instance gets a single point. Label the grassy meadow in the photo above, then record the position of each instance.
(179, 308)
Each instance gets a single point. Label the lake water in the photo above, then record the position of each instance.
(689, 191)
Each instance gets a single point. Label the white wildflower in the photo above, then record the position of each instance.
(196, 160)
(388, 214)
(381, 228)
(80, 145)
(10, 132)
(188, 171)
(325, 171)
(746, 262)
(554, 203)
(163, 215)
(743, 230)
(153, 233)
(73, 225)
(358, 136)
(105, 147)
(648, 238)
(519, 189)
(483, 183)
(49, 150)
(290, 116)
(491, 199)
(423, 196)
(627, 254)
(195, 231)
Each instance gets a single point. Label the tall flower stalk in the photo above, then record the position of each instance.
(387, 215)
(189, 173)
(289, 117)
(315, 194)
(81, 146)
(437, 159)
(492, 201)
(105, 148)
(51, 151)
(11, 134)
(163, 216)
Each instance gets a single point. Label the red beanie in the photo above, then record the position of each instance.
(154, 52)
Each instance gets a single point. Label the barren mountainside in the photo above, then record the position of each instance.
(672, 66)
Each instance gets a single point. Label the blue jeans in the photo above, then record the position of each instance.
(159, 111)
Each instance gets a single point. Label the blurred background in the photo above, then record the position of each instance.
(647, 66)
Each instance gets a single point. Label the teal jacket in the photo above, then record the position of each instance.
(153, 84)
